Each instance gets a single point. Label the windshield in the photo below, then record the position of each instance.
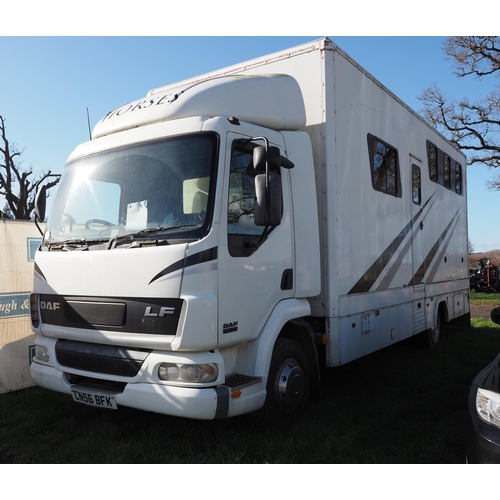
(155, 188)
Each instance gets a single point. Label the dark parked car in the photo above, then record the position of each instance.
(483, 436)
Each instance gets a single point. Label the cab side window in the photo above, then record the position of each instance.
(241, 199)
(240, 212)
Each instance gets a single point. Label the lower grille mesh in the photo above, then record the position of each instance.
(97, 358)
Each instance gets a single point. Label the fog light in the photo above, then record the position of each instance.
(42, 353)
(188, 373)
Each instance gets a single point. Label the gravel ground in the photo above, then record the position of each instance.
(481, 311)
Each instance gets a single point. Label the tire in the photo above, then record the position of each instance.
(436, 334)
(495, 315)
(288, 385)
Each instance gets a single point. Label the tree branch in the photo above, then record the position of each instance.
(473, 55)
(15, 181)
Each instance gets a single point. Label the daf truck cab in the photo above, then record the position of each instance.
(168, 264)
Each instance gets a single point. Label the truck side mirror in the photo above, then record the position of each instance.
(259, 158)
(275, 159)
(268, 202)
(41, 203)
(40, 206)
(268, 206)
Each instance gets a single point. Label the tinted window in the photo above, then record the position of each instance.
(433, 163)
(416, 185)
(443, 169)
(447, 179)
(384, 166)
(458, 178)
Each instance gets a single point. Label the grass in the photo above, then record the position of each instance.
(484, 298)
(403, 404)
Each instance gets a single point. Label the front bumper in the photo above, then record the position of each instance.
(197, 403)
(145, 391)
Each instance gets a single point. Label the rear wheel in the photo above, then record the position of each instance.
(435, 334)
(287, 386)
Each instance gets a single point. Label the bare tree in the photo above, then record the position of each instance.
(474, 127)
(16, 184)
(471, 246)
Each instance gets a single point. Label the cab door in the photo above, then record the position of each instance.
(255, 273)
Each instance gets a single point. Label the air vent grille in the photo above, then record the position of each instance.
(95, 313)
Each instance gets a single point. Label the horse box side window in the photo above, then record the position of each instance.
(384, 167)
(443, 169)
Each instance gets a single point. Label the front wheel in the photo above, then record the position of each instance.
(287, 386)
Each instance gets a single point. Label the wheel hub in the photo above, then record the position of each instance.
(290, 386)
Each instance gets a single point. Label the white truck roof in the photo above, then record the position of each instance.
(273, 101)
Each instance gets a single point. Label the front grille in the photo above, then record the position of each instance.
(143, 315)
(97, 358)
(95, 313)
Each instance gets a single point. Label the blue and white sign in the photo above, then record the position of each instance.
(14, 304)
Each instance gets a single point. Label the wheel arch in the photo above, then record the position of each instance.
(441, 307)
(440, 316)
(283, 321)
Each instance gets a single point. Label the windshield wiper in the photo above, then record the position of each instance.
(143, 232)
(74, 244)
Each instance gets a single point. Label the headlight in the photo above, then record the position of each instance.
(188, 373)
(42, 353)
(488, 406)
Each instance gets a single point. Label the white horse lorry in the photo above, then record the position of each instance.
(220, 241)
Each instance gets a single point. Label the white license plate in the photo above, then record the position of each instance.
(94, 398)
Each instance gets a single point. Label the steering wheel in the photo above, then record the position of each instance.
(98, 221)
